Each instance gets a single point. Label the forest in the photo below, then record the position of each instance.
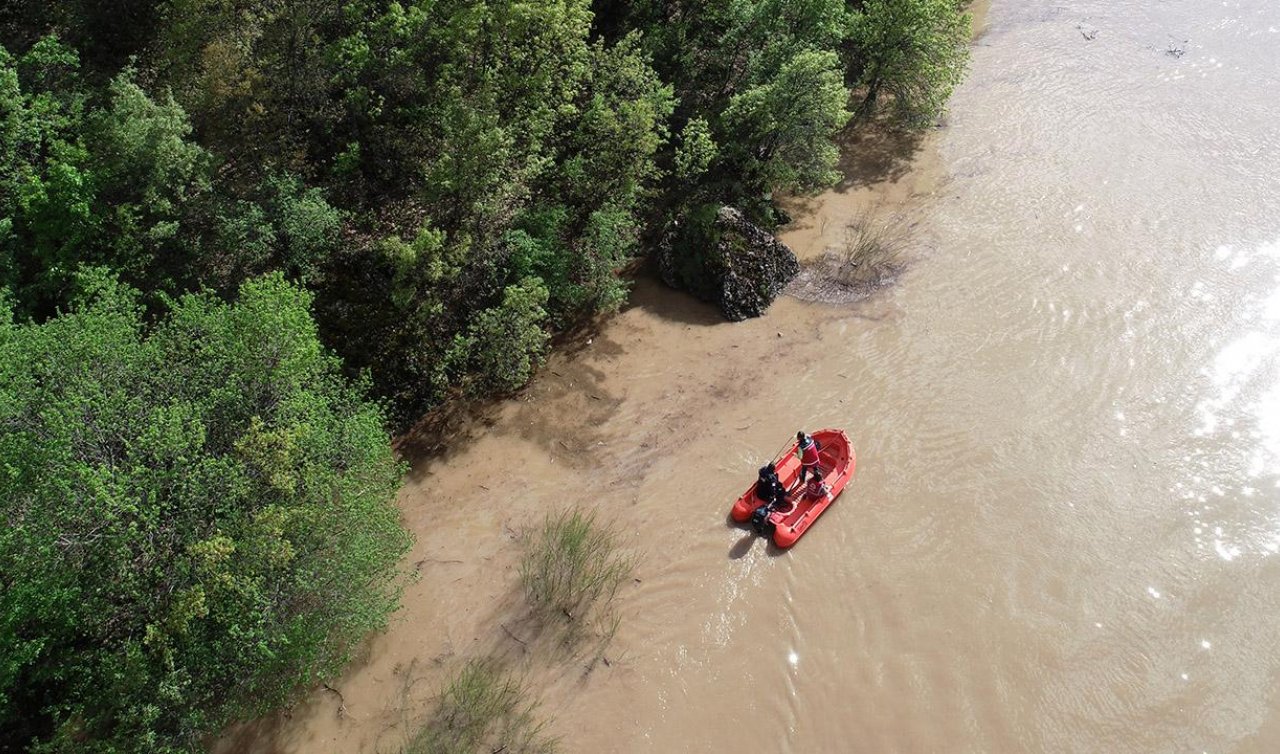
(245, 242)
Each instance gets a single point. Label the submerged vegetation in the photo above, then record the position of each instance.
(240, 241)
(872, 252)
(484, 708)
(571, 571)
(870, 257)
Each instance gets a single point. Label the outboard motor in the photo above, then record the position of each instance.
(760, 522)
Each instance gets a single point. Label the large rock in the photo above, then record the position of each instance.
(728, 261)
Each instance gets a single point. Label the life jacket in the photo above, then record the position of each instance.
(809, 453)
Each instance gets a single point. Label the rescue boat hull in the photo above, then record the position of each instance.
(837, 461)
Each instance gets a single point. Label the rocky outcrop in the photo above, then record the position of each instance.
(727, 260)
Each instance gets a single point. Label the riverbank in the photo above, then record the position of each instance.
(609, 423)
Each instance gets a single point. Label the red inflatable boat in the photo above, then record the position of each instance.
(787, 524)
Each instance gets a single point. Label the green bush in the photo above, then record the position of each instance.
(695, 259)
(116, 178)
(47, 192)
(787, 121)
(506, 343)
(309, 228)
(199, 517)
(696, 150)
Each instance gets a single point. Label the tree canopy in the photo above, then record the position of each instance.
(914, 50)
(198, 516)
(410, 162)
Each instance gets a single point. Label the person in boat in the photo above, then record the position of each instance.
(767, 485)
(780, 502)
(816, 489)
(807, 449)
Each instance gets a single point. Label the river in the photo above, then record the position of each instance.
(1064, 534)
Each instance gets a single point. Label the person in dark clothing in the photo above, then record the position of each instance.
(767, 485)
(780, 502)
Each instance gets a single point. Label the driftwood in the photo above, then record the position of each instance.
(342, 701)
(523, 643)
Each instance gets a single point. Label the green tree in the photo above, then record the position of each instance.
(148, 175)
(47, 191)
(914, 50)
(523, 147)
(199, 517)
(507, 342)
(410, 161)
(761, 93)
(785, 124)
(280, 224)
(308, 228)
(107, 33)
(587, 226)
(696, 150)
(111, 185)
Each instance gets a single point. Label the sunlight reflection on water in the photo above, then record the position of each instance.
(1243, 406)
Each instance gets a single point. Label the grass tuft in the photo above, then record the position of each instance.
(872, 256)
(483, 709)
(571, 571)
(872, 253)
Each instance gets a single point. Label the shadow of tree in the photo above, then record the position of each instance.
(275, 732)
(445, 430)
(875, 153)
(870, 153)
(657, 298)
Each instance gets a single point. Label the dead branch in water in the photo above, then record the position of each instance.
(513, 636)
(342, 701)
(870, 257)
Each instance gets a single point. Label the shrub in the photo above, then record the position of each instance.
(309, 228)
(198, 517)
(872, 252)
(507, 342)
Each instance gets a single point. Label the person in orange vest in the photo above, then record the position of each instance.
(807, 449)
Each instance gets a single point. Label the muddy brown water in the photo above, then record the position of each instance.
(1064, 534)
